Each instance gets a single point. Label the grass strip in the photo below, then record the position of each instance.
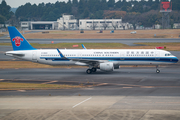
(169, 46)
(32, 86)
(70, 45)
(1, 35)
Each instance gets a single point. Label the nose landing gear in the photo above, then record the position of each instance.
(157, 71)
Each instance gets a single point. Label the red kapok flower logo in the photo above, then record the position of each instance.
(17, 41)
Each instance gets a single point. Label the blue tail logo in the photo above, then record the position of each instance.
(18, 41)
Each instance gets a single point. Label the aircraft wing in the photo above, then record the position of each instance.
(85, 61)
(89, 61)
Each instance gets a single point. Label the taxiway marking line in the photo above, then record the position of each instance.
(81, 102)
(49, 82)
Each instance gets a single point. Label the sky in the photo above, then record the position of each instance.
(17, 3)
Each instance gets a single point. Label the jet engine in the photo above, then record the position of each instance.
(106, 66)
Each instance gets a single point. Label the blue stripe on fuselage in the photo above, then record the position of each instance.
(152, 59)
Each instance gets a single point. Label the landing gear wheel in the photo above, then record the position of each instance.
(157, 71)
(88, 71)
(94, 69)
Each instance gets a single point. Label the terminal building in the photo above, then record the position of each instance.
(68, 22)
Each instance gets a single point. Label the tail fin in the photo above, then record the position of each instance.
(18, 41)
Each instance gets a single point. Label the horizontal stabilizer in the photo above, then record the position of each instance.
(14, 54)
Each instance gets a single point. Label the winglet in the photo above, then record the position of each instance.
(83, 46)
(62, 56)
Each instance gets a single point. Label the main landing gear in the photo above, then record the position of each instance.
(157, 70)
(89, 71)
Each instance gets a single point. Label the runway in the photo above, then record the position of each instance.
(128, 93)
(123, 41)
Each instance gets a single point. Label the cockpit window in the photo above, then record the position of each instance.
(168, 55)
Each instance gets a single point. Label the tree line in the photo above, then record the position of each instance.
(5, 13)
(142, 12)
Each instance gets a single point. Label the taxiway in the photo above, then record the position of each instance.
(128, 93)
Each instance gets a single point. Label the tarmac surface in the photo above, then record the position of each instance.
(4, 49)
(127, 93)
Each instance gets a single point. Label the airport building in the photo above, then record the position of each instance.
(39, 25)
(67, 22)
(102, 24)
(176, 26)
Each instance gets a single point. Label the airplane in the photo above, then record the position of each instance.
(103, 59)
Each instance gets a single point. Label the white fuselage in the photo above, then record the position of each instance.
(116, 56)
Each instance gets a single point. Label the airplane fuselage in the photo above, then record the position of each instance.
(116, 56)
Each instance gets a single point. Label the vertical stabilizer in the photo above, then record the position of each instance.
(18, 41)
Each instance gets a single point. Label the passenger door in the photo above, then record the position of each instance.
(122, 55)
(157, 55)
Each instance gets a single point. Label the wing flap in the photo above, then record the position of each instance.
(89, 61)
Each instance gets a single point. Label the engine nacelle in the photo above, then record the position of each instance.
(106, 66)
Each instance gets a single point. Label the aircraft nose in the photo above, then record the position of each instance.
(176, 59)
